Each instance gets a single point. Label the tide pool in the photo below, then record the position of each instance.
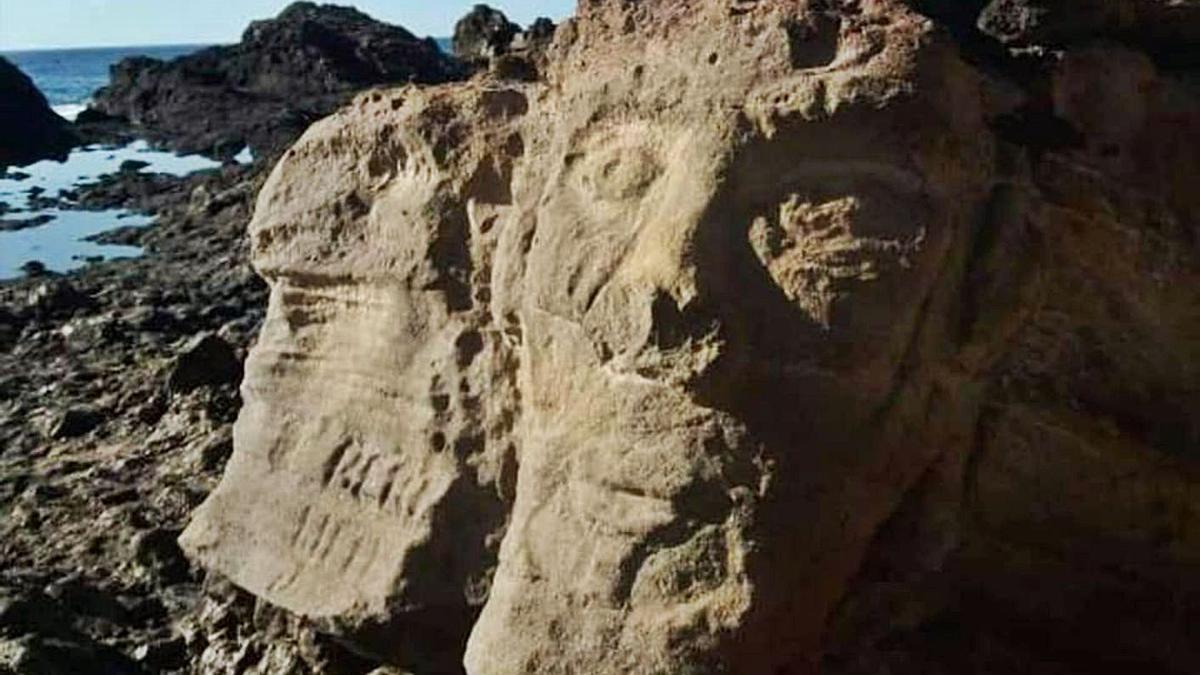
(59, 243)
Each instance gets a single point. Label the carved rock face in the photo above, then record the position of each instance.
(670, 292)
(620, 371)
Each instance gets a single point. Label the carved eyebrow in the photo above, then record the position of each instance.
(895, 177)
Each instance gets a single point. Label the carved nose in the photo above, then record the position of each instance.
(655, 315)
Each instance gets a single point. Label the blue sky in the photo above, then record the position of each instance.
(38, 24)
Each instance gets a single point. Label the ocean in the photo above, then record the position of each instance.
(68, 77)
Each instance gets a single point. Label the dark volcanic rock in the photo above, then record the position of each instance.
(159, 556)
(57, 298)
(1168, 29)
(133, 165)
(486, 40)
(29, 129)
(263, 92)
(207, 360)
(483, 34)
(34, 268)
(541, 31)
(75, 422)
(36, 655)
(16, 224)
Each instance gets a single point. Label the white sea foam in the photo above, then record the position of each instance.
(69, 111)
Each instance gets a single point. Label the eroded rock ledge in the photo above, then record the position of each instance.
(756, 337)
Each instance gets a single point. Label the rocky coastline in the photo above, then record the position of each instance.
(113, 426)
(29, 129)
(1021, 495)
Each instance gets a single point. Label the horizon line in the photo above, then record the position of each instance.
(24, 50)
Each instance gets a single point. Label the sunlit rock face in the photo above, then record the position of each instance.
(681, 360)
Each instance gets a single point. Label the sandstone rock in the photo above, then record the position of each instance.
(29, 129)
(747, 340)
(264, 91)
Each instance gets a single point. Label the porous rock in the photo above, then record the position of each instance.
(748, 340)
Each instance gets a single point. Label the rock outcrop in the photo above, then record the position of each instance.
(486, 40)
(29, 130)
(484, 33)
(1168, 29)
(756, 337)
(265, 91)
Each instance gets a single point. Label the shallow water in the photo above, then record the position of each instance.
(58, 244)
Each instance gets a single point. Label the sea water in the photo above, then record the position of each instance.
(68, 78)
(60, 244)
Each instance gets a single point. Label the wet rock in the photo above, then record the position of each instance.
(125, 235)
(34, 269)
(11, 225)
(206, 360)
(132, 166)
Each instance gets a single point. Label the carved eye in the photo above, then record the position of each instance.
(620, 174)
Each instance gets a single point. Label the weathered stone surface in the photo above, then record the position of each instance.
(29, 129)
(755, 338)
